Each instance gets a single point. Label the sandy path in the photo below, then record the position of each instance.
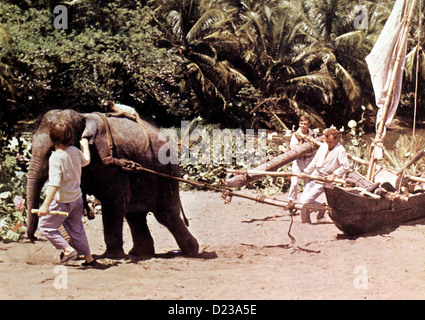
(245, 254)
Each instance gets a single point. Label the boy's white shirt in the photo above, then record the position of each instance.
(294, 140)
(65, 173)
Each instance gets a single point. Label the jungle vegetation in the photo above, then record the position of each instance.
(235, 63)
(223, 63)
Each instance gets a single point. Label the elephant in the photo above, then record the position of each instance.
(123, 194)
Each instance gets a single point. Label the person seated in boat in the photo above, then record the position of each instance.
(301, 163)
(330, 161)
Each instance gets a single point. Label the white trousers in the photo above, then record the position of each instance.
(297, 167)
(311, 192)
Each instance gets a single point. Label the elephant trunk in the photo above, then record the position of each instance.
(37, 176)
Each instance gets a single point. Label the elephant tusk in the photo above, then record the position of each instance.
(53, 212)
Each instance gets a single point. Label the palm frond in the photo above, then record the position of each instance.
(216, 76)
(275, 118)
(224, 40)
(174, 19)
(208, 19)
(320, 80)
(350, 41)
(411, 62)
(287, 105)
(349, 84)
(255, 22)
(405, 149)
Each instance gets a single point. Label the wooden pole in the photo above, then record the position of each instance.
(418, 46)
(274, 202)
(372, 163)
(272, 165)
(319, 143)
(415, 179)
(289, 174)
(53, 212)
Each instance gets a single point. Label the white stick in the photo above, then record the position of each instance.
(53, 212)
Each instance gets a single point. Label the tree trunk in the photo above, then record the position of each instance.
(272, 165)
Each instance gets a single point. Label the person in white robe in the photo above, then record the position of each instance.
(301, 163)
(330, 161)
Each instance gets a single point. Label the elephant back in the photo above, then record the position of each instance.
(130, 141)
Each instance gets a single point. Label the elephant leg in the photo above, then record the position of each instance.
(185, 240)
(143, 245)
(113, 220)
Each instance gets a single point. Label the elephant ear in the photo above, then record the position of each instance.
(90, 130)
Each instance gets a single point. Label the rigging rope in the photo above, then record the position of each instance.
(418, 50)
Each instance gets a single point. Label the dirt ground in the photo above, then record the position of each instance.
(245, 253)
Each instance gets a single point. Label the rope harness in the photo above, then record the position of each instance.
(226, 193)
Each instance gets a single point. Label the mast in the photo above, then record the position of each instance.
(397, 65)
(417, 68)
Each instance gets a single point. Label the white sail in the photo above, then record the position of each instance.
(382, 63)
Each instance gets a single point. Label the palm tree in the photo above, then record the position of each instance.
(269, 36)
(303, 56)
(415, 61)
(338, 47)
(193, 29)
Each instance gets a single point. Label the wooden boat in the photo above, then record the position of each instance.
(352, 212)
(356, 214)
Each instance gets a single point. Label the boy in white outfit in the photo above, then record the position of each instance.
(64, 194)
(300, 164)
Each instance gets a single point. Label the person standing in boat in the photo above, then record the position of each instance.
(330, 161)
(301, 163)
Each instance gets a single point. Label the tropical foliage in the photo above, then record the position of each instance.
(299, 57)
(238, 63)
(233, 63)
(106, 53)
(13, 165)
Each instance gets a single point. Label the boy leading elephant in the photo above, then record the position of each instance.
(64, 194)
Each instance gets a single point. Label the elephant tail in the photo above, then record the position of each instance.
(178, 200)
(186, 221)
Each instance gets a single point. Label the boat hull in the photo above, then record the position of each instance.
(356, 214)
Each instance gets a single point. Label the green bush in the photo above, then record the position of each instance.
(13, 163)
(212, 173)
(110, 55)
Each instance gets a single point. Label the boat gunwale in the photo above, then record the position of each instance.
(365, 221)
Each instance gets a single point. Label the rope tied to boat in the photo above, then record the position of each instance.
(226, 195)
(291, 208)
(226, 192)
(261, 198)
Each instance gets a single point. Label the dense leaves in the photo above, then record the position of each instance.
(110, 57)
(234, 63)
(13, 164)
(245, 63)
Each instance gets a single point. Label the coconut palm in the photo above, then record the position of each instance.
(270, 36)
(304, 56)
(338, 46)
(193, 28)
